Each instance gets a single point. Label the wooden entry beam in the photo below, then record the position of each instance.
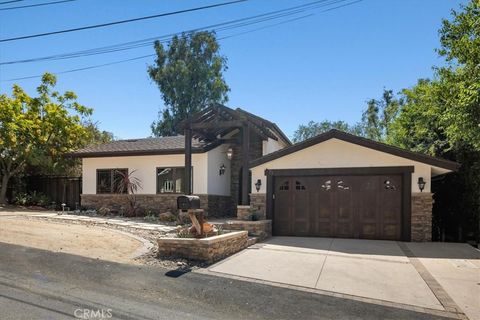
(245, 163)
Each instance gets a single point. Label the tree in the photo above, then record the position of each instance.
(379, 115)
(33, 130)
(313, 128)
(189, 75)
(441, 117)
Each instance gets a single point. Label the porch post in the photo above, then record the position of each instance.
(188, 160)
(245, 162)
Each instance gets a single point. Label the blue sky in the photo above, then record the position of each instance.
(321, 67)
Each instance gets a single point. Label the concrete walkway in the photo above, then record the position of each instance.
(438, 278)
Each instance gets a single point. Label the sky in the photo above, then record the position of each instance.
(323, 66)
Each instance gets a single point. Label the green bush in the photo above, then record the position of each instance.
(22, 199)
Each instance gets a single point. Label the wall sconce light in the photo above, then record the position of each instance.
(221, 171)
(258, 184)
(229, 153)
(421, 184)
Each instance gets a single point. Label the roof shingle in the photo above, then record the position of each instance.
(175, 144)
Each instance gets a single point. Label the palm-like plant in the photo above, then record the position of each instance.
(126, 182)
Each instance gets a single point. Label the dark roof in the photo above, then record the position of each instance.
(273, 126)
(217, 113)
(146, 146)
(419, 157)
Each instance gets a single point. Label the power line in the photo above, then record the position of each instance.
(36, 5)
(232, 24)
(6, 2)
(152, 55)
(121, 21)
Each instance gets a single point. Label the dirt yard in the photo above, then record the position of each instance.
(88, 241)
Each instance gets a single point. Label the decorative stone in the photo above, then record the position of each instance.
(258, 204)
(209, 249)
(243, 212)
(214, 206)
(421, 220)
(261, 229)
(167, 217)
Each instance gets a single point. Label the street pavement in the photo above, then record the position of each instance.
(39, 284)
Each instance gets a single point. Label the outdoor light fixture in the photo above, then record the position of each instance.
(421, 184)
(258, 184)
(222, 170)
(229, 153)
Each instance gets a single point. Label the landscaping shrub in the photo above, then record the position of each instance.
(22, 199)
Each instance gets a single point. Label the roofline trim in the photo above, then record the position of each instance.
(364, 142)
(101, 154)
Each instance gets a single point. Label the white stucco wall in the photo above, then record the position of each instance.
(206, 178)
(218, 184)
(335, 153)
(145, 167)
(270, 145)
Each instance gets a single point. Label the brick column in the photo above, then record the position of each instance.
(421, 222)
(258, 203)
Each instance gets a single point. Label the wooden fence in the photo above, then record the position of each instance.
(59, 189)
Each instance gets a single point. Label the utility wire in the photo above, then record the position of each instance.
(121, 21)
(36, 5)
(152, 55)
(6, 2)
(232, 24)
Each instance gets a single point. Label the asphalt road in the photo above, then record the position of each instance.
(38, 284)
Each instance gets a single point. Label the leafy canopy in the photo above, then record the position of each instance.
(189, 74)
(313, 129)
(38, 131)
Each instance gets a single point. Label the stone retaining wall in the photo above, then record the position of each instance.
(214, 206)
(207, 249)
(421, 221)
(261, 229)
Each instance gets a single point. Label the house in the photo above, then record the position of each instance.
(335, 184)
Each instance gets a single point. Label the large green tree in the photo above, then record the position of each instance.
(441, 117)
(38, 130)
(379, 115)
(311, 129)
(189, 74)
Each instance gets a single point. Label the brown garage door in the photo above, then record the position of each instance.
(367, 207)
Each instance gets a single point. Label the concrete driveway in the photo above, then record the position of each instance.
(437, 278)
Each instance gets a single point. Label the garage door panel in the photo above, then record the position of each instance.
(357, 206)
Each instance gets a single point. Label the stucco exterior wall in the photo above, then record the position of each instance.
(337, 153)
(270, 145)
(218, 184)
(206, 177)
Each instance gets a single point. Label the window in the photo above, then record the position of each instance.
(299, 186)
(108, 180)
(171, 180)
(284, 186)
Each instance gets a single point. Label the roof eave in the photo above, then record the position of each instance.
(437, 162)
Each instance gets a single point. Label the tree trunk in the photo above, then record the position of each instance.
(3, 189)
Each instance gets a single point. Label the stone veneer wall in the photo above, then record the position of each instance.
(206, 249)
(261, 229)
(258, 204)
(256, 150)
(421, 221)
(214, 206)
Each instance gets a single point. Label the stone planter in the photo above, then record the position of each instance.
(262, 229)
(206, 249)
